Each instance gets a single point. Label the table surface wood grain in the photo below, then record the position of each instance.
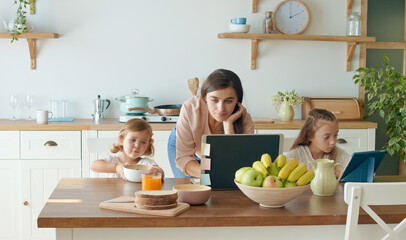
(74, 204)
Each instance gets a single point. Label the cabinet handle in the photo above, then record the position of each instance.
(25, 203)
(341, 141)
(50, 144)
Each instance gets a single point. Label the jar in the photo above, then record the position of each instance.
(354, 24)
(268, 22)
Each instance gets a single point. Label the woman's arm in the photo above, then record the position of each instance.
(228, 125)
(193, 168)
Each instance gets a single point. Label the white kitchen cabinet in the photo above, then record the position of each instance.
(160, 145)
(39, 179)
(351, 140)
(10, 226)
(46, 157)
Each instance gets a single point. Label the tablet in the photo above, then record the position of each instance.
(362, 166)
(223, 155)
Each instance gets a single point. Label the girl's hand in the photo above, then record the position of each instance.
(337, 173)
(156, 169)
(120, 171)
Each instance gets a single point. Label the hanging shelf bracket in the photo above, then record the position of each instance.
(254, 6)
(349, 6)
(254, 53)
(31, 47)
(32, 6)
(350, 52)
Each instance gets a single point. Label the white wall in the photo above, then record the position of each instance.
(108, 47)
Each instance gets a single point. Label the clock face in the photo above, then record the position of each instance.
(291, 17)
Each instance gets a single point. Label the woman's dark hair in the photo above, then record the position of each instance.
(313, 122)
(220, 79)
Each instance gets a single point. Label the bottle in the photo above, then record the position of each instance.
(354, 24)
(268, 22)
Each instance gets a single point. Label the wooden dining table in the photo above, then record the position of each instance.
(73, 209)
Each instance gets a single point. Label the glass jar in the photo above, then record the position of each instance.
(268, 22)
(354, 24)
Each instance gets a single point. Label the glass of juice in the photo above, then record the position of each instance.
(151, 181)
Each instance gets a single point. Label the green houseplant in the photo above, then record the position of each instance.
(20, 21)
(385, 90)
(286, 101)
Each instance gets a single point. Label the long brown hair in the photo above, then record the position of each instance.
(134, 125)
(220, 79)
(313, 122)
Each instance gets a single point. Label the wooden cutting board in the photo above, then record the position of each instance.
(129, 207)
(259, 120)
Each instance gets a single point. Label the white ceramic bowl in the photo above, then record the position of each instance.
(272, 197)
(133, 172)
(194, 194)
(239, 28)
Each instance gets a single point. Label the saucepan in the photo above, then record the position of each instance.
(164, 110)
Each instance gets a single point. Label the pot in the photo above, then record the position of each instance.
(165, 110)
(133, 101)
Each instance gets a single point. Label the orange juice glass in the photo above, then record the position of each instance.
(151, 181)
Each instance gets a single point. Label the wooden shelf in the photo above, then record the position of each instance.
(257, 37)
(31, 39)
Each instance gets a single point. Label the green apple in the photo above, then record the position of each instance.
(273, 169)
(272, 182)
(289, 184)
(252, 178)
(240, 172)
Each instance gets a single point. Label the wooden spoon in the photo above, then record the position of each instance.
(193, 85)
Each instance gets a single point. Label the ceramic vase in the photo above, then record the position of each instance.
(286, 112)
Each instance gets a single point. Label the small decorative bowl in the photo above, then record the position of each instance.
(133, 172)
(194, 194)
(239, 28)
(272, 197)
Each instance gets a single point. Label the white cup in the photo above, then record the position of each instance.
(43, 116)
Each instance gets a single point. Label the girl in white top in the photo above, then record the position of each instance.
(317, 139)
(134, 141)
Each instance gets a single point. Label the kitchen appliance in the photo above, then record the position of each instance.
(168, 110)
(153, 118)
(133, 101)
(99, 108)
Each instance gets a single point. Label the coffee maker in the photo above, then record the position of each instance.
(99, 108)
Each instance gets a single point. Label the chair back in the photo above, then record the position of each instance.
(358, 195)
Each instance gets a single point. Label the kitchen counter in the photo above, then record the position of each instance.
(74, 205)
(114, 124)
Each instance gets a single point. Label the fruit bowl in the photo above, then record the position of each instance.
(272, 197)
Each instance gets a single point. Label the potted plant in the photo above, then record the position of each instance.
(385, 90)
(19, 25)
(286, 101)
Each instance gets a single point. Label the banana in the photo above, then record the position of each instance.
(266, 160)
(273, 169)
(305, 178)
(297, 172)
(287, 169)
(257, 165)
(280, 161)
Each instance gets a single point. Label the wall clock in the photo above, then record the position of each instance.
(291, 17)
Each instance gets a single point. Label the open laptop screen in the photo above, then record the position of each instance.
(228, 153)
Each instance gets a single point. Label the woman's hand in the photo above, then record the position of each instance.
(228, 124)
(120, 171)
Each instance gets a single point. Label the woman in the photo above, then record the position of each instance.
(217, 110)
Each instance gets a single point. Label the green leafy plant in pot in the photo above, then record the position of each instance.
(386, 93)
(286, 102)
(19, 24)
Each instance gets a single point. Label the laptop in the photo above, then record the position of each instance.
(223, 155)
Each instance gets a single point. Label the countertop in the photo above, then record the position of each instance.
(113, 124)
(74, 204)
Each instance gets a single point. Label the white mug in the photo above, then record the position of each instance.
(43, 116)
